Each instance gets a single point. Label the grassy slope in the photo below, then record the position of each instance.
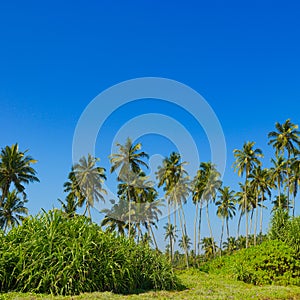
(199, 286)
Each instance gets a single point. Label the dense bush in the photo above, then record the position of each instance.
(268, 263)
(285, 229)
(51, 253)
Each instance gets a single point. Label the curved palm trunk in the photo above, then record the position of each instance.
(210, 230)
(199, 227)
(129, 212)
(195, 229)
(239, 225)
(221, 236)
(183, 234)
(153, 237)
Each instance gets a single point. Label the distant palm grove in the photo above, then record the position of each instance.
(135, 214)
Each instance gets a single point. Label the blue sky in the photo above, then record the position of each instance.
(242, 57)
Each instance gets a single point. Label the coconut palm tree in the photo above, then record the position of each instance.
(116, 218)
(281, 203)
(171, 235)
(245, 160)
(12, 210)
(185, 242)
(89, 180)
(15, 168)
(179, 193)
(209, 247)
(261, 183)
(69, 206)
(285, 138)
(198, 186)
(295, 178)
(226, 208)
(278, 172)
(129, 161)
(168, 175)
(212, 183)
(230, 245)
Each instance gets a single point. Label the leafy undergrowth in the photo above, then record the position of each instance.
(272, 262)
(199, 285)
(54, 254)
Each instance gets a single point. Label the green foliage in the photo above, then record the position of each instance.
(286, 229)
(272, 262)
(51, 253)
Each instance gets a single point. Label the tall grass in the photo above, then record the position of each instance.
(51, 253)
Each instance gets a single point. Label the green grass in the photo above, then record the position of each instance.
(199, 285)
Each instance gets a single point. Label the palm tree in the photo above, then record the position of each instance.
(116, 218)
(69, 206)
(230, 245)
(286, 138)
(212, 183)
(185, 242)
(89, 180)
(261, 183)
(226, 208)
(281, 202)
(295, 179)
(198, 186)
(15, 168)
(245, 160)
(209, 246)
(179, 192)
(171, 235)
(168, 175)
(278, 172)
(129, 161)
(12, 210)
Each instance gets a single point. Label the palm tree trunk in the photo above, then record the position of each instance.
(279, 193)
(221, 236)
(129, 212)
(261, 214)
(154, 239)
(199, 227)
(288, 184)
(256, 217)
(183, 236)
(169, 224)
(210, 230)
(227, 227)
(239, 225)
(195, 228)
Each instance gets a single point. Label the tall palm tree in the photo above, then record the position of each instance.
(171, 235)
(278, 173)
(89, 180)
(185, 242)
(179, 193)
(129, 161)
(198, 186)
(212, 183)
(295, 179)
(15, 168)
(226, 208)
(168, 175)
(245, 160)
(116, 218)
(209, 246)
(285, 138)
(261, 182)
(12, 210)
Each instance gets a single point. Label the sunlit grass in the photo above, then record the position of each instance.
(199, 285)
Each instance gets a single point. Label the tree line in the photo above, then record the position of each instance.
(137, 210)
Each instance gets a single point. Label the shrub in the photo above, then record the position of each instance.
(268, 263)
(51, 253)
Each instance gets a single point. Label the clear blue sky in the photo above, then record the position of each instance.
(55, 57)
